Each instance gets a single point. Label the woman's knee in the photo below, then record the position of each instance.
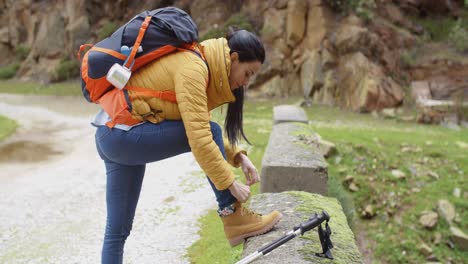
(117, 231)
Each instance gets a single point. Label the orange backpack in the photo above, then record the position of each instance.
(108, 64)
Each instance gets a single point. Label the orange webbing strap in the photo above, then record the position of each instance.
(193, 47)
(82, 48)
(140, 91)
(141, 33)
(113, 53)
(151, 56)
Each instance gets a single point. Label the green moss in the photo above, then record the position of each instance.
(7, 127)
(342, 237)
(303, 129)
(304, 135)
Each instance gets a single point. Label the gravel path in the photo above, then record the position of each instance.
(52, 193)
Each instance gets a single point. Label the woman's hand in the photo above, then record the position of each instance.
(250, 172)
(240, 191)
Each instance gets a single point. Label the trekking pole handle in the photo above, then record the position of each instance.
(313, 222)
(300, 230)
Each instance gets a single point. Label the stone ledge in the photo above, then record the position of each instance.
(440, 104)
(297, 207)
(291, 164)
(289, 113)
(437, 111)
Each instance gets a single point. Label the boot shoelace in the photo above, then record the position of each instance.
(248, 211)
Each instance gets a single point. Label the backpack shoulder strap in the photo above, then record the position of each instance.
(141, 33)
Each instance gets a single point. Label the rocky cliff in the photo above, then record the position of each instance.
(349, 58)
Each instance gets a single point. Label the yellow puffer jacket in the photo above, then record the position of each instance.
(187, 75)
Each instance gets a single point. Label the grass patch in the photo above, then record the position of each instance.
(60, 89)
(7, 127)
(213, 246)
(369, 149)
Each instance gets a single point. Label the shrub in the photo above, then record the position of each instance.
(22, 52)
(407, 58)
(267, 31)
(107, 29)
(214, 33)
(240, 20)
(335, 5)
(459, 36)
(9, 71)
(438, 28)
(65, 70)
(363, 9)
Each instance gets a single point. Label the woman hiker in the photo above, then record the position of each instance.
(171, 129)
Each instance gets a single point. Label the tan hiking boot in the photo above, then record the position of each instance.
(244, 223)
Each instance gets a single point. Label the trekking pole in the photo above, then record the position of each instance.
(313, 222)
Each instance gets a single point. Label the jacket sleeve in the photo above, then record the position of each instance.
(190, 87)
(231, 153)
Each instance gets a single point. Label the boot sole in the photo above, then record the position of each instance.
(238, 240)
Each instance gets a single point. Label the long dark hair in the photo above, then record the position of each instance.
(250, 48)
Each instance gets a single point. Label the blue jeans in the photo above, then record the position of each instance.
(125, 154)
